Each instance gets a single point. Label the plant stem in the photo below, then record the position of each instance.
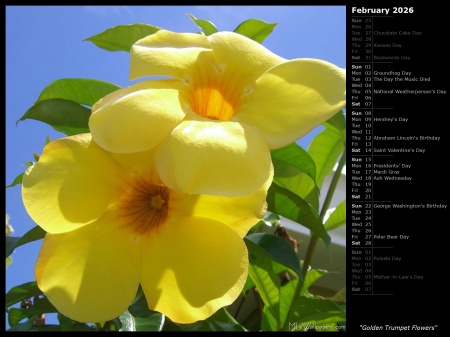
(314, 238)
(326, 204)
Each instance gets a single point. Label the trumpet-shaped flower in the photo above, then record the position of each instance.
(228, 101)
(112, 225)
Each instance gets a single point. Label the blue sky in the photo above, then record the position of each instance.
(45, 43)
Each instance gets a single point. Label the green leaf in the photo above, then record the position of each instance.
(315, 312)
(207, 26)
(302, 185)
(269, 256)
(287, 297)
(153, 322)
(65, 323)
(312, 276)
(75, 327)
(34, 234)
(79, 90)
(268, 321)
(63, 115)
(26, 326)
(41, 306)
(21, 292)
(219, 321)
(127, 320)
(274, 248)
(140, 308)
(255, 29)
(268, 284)
(295, 156)
(122, 38)
(338, 218)
(271, 220)
(325, 149)
(144, 318)
(285, 203)
(295, 170)
(10, 244)
(61, 103)
(249, 284)
(17, 180)
(337, 121)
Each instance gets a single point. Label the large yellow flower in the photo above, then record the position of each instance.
(112, 225)
(227, 102)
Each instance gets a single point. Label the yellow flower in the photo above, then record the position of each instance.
(112, 225)
(228, 101)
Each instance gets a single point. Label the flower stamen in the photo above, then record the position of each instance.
(145, 206)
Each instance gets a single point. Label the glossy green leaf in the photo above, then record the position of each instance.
(268, 284)
(269, 322)
(34, 234)
(338, 218)
(219, 321)
(271, 220)
(79, 90)
(41, 306)
(269, 256)
(312, 276)
(285, 203)
(76, 326)
(275, 248)
(293, 155)
(287, 297)
(337, 121)
(255, 29)
(295, 170)
(144, 318)
(153, 322)
(65, 323)
(170, 326)
(325, 149)
(249, 284)
(300, 184)
(21, 292)
(26, 326)
(10, 244)
(63, 115)
(122, 38)
(340, 296)
(17, 180)
(62, 103)
(315, 312)
(127, 322)
(207, 26)
(139, 308)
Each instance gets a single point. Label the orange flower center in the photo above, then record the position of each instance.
(144, 206)
(214, 102)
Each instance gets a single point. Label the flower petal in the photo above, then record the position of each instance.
(139, 164)
(240, 213)
(203, 156)
(166, 53)
(137, 118)
(73, 183)
(240, 59)
(292, 98)
(192, 268)
(90, 274)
